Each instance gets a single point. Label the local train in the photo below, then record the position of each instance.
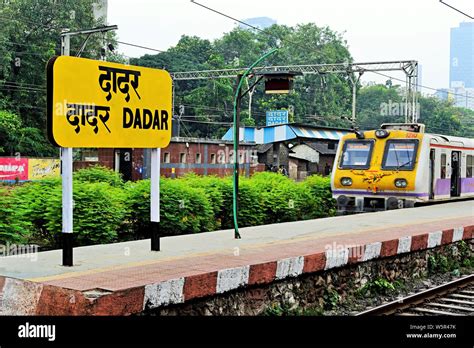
(398, 166)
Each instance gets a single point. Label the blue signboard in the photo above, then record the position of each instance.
(277, 117)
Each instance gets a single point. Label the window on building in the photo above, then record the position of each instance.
(198, 158)
(182, 157)
(443, 166)
(222, 157)
(166, 158)
(469, 166)
(86, 155)
(213, 158)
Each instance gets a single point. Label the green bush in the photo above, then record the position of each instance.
(137, 224)
(213, 187)
(96, 174)
(31, 201)
(379, 286)
(282, 199)
(99, 211)
(183, 209)
(250, 212)
(107, 209)
(321, 203)
(13, 229)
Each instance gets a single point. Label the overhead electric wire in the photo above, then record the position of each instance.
(423, 86)
(455, 9)
(140, 46)
(207, 122)
(296, 44)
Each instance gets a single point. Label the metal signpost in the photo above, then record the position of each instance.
(97, 104)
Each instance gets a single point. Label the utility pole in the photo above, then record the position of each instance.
(236, 151)
(250, 92)
(66, 155)
(354, 83)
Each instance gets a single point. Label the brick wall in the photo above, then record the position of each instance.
(179, 158)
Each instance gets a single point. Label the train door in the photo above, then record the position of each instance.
(455, 173)
(432, 173)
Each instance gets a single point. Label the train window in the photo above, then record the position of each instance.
(400, 154)
(356, 154)
(469, 166)
(443, 166)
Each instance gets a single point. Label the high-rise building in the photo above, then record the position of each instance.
(100, 10)
(259, 22)
(461, 72)
(458, 95)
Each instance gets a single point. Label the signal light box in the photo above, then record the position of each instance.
(100, 104)
(279, 82)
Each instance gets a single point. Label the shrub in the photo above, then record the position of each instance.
(379, 286)
(321, 203)
(184, 209)
(137, 224)
(99, 211)
(213, 187)
(13, 228)
(107, 209)
(99, 174)
(275, 196)
(31, 201)
(250, 212)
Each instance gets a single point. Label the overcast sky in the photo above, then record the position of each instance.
(376, 30)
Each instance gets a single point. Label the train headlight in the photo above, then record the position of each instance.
(401, 183)
(381, 133)
(346, 181)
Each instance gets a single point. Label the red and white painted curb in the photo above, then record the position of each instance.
(18, 297)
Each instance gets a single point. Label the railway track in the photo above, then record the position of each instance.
(455, 298)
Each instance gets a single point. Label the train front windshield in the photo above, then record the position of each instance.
(356, 154)
(400, 154)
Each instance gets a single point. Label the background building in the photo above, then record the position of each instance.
(259, 22)
(462, 56)
(100, 8)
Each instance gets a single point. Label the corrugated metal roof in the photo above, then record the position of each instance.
(322, 148)
(284, 132)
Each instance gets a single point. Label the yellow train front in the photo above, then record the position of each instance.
(398, 166)
(376, 170)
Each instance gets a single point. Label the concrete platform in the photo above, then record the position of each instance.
(125, 278)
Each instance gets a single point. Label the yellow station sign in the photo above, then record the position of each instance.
(99, 104)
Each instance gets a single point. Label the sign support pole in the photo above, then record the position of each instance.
(67, 187)
(67, 161)
(155, 199)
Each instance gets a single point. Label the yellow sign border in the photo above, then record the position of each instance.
(135, 138)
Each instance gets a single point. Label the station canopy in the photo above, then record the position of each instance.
(285, 132)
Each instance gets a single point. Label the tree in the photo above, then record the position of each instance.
(384, 104)
(29, 37)
(303, 44)
(379, 104)
(27, 141)
(10, 125)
